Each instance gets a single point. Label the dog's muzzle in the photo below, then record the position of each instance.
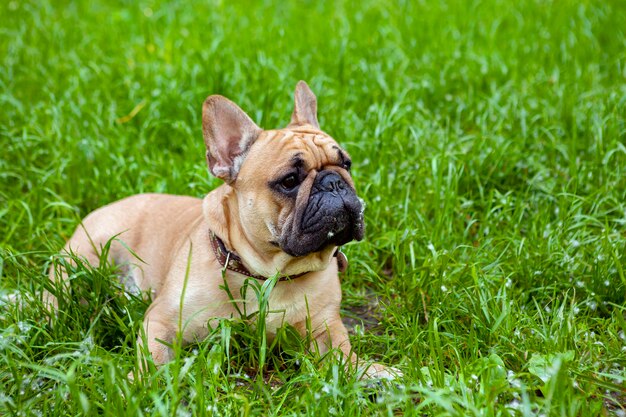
(333, 216)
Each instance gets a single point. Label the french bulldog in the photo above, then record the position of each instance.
(287, 204)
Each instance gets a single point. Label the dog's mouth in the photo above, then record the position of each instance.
(317, 244)
(339, 238)
(308, 245)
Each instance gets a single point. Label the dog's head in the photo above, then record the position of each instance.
(293, 185)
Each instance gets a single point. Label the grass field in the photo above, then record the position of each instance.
(489, 142)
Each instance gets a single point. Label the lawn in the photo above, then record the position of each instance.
(488, 140)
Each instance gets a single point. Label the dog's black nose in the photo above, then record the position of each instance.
(330, 181)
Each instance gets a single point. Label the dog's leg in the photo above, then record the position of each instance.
(335, 335)
(155, 338)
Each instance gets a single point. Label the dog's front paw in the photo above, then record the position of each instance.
(379, 372)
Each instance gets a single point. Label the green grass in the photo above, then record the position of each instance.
(489, 142)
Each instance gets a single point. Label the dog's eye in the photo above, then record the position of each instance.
(347, 164)
(290, 182)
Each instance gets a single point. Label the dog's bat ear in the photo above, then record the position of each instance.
(228, 134)
(305, 110)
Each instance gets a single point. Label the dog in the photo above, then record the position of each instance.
(287, 205)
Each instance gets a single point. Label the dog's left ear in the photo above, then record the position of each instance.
(228, 134)
(305, 110)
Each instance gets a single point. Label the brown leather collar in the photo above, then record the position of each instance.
(232, 261)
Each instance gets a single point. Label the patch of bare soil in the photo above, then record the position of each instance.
(365, 311)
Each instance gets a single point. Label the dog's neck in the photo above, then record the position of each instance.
(221, 211)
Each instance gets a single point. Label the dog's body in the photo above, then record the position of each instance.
(288, 202)
(183, 252)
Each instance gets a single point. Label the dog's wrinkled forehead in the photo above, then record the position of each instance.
(309, 149)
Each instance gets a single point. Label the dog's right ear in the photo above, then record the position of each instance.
(228, 134)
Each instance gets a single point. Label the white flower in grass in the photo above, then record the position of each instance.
(444, 288)
(86, 346)
(182, 412)
(515, 383)
(515, 405)
(4, 342)
(5, 399)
